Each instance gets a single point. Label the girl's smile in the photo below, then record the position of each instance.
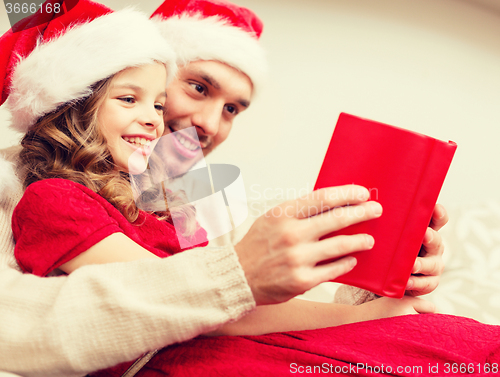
(142, 143)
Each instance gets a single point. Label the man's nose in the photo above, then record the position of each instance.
(208, 119)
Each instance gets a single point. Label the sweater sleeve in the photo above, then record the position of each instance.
(102, 315)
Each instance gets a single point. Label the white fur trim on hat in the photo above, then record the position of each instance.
(64, 69)
(194, 37)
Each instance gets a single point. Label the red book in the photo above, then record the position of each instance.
(404, 171)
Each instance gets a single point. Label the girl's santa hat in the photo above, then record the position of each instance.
(58, 60)
(214, 30)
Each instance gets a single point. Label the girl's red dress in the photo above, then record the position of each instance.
(57, 219)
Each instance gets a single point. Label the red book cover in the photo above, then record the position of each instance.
(404, 171)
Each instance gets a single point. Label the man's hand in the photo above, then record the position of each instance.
(429, 265)
(280, 252)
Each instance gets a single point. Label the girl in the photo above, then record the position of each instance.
(84, 128)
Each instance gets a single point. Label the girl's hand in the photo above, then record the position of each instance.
(385, 307)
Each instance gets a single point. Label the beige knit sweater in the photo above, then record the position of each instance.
(102, 315)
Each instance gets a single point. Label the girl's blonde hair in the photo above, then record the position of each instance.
(68, 143)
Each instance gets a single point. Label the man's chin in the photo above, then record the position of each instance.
(182, 166)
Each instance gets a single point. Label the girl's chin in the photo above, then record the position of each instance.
(136, 164)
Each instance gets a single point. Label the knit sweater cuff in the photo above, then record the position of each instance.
(224, 267)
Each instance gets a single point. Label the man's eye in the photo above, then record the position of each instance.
(127, 99)
(199, 88)
(231, 109)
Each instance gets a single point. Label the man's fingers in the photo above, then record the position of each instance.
(430, 266)
(338, 246)
(439, 217)
(325, 199)
(422, 306)
(432, 243)
(431, 262)
(332, 270)
(341, 217)
(421, 285)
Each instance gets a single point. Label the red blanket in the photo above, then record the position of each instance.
(416, 345)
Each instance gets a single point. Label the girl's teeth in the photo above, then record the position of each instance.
(137, 140)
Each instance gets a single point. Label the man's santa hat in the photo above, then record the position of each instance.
(59, 59)
(214, 30)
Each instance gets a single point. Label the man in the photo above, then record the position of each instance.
(211, 90)
(102, 315)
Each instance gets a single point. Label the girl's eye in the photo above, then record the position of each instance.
(160, 107)
(127, 99)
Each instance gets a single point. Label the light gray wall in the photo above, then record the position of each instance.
(432, 66)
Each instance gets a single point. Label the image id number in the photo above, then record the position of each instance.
(30, 8)
(470, 368)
